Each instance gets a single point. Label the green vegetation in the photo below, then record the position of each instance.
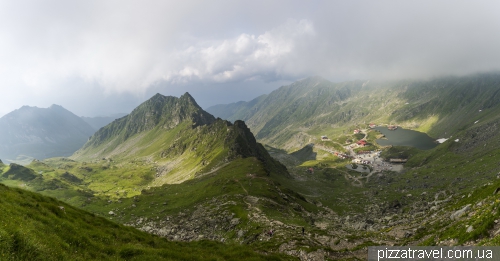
(35, 227)
(240, 177)
(186, 176)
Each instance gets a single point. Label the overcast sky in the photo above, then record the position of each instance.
(102, 57)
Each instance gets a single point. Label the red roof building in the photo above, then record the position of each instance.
(361, 142)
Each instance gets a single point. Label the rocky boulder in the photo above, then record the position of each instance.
(460, 212)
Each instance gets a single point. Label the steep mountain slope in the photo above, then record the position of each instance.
(454, 103)
(285, 117)
(160, 113)
(41, 133)
(36, 227)
(176, 138)
(98, 122)
(295, 115)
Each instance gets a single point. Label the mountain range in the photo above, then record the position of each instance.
(171, 169)
(38, 133)
(294, 115)
(178, 136)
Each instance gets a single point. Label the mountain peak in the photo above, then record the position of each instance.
(187, 97)
(315, 79)
(165, 112)
(158, 95)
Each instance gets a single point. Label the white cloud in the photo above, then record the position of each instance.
(132, 47)
(243, 57)
(123, 54)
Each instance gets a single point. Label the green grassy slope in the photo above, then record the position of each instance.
(164, 112)
(35, 227)
(195, 153)
(294, 115)
(175, 138)
(455, 103)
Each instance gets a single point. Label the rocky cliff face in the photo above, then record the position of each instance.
(41, 133)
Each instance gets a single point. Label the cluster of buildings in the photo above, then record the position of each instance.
(360, 161)
(342, 155)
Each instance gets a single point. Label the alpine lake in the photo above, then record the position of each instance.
(404, 137)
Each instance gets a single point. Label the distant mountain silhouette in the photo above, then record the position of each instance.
(31, 132)
(100, 121)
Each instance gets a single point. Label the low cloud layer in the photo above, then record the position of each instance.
(75, 53)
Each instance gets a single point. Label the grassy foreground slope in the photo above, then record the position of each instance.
(35, 227)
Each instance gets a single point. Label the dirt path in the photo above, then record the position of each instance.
(355, 180)
(242, 186)
(212, 171)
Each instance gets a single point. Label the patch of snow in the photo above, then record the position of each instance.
(480, 110)
(441, 140)
(456, 140)
(476, 122)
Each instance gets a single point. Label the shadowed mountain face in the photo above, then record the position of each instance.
(41, 133)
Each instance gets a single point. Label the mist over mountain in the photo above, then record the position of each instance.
(31, 132)
(100, 121)
(440, 106)
(334, 126)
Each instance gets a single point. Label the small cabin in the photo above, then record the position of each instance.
(362, 143)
